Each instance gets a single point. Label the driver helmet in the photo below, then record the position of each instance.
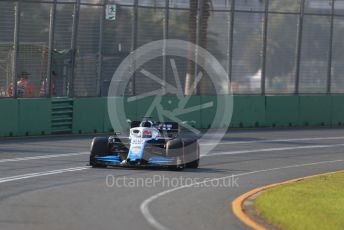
(147, 123)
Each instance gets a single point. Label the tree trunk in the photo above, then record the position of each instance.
(192, 38)
(203, 29)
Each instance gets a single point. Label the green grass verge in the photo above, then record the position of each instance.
(316, 203)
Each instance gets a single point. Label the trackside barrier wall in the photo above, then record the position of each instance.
(25, 117)
(9, 113)
(249, 111)
(21, 117)
(337, 111)
(282, 111)
(88, 115)
(315, 110)
(130, 108)
(34, 116)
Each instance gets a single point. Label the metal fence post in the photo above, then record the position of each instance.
(231, 36)
(50, 48)
(299, 47)
(265, 33)
(100, 49)
(329, 70)
(134, 43)
(15, 47)
(165, 37)
(198, 31)
(74, 46)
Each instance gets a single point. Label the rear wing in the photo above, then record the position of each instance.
(168, 127)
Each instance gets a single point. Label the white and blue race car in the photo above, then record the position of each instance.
(149, 144)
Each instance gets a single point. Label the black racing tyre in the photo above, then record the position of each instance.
(192, 153)
(193, 164)
(175, 148)
(99, 147)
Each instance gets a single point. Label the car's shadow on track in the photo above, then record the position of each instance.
(208, 170)
(155, 169)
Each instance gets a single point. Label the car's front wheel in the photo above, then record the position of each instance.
(99, 147)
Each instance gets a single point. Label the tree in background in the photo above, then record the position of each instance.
(203, 42)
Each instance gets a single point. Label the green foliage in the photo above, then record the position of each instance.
(316, 203)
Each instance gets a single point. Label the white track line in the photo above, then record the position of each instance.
(152, 221)
(276, 140)
(42, 157)
(39, 174)
(272, 150)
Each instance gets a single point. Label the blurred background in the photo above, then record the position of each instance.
(266, 46)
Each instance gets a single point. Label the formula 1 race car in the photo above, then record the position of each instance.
(149, 144)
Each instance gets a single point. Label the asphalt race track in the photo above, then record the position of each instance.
(45, 183)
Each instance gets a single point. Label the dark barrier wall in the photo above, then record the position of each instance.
(27, 117)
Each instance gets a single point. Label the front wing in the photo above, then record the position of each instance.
(115, 160)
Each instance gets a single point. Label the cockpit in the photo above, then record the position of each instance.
(146, 123)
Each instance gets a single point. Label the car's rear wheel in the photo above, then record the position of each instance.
(174, 148)
(193, 164)
(99, 147)
(192, 153)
